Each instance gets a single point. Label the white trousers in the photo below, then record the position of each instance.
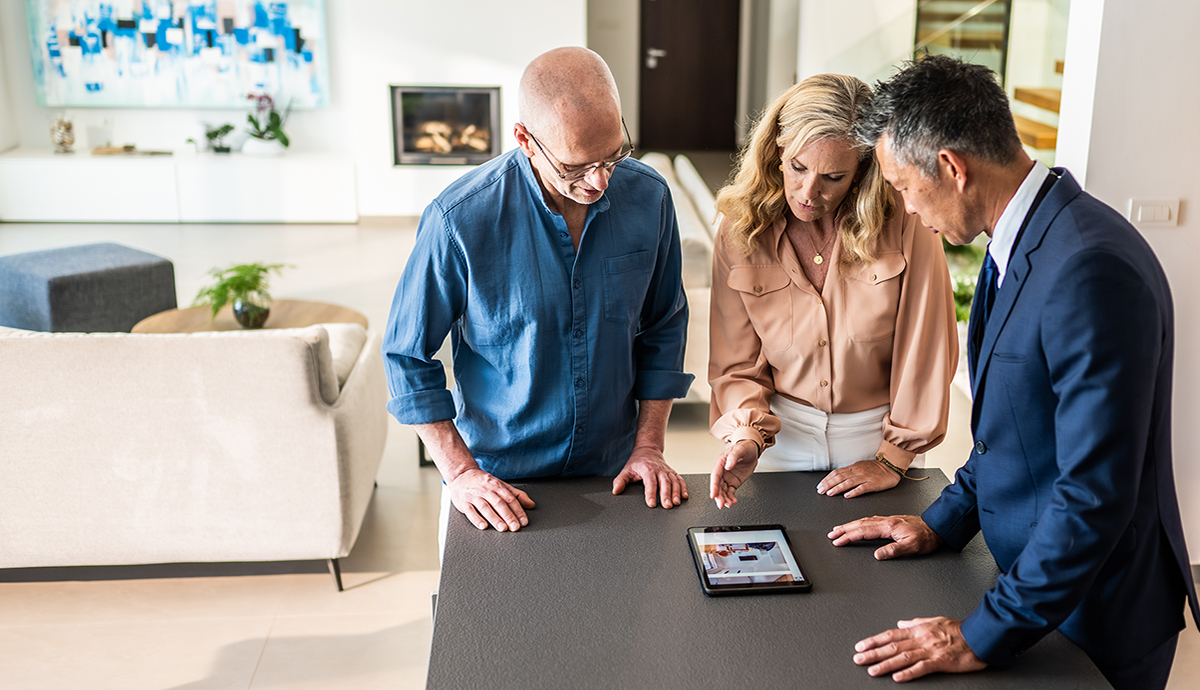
(813, 440)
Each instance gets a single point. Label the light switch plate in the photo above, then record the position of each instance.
(1154, 213)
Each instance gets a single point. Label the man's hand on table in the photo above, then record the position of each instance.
(734, 466)
(909, 534)
(863, 477)
(486, 500)
(917, 648)
(662, 483)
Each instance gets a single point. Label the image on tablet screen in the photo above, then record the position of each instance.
(747, 557)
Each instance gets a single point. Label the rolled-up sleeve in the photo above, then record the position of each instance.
(739, 373)
(925, 347)
(658, 348)
(430, 297)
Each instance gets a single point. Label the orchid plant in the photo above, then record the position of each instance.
(265, 121)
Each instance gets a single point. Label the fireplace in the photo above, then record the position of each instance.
(444, 125)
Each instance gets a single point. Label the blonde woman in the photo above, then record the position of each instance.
(833, 341)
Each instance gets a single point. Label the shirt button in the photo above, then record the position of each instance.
(578, 283)
(564, 235)
(872, 276)
(580, 429)
(821, 344)
(758, 288)
(578, 333)
(579, 383)
(980, 447)
(824, 383)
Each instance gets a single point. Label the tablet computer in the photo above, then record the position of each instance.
(746, 559)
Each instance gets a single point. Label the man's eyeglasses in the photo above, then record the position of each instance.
(580, 173)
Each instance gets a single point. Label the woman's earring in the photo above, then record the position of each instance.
(781, 167)
(854, 189)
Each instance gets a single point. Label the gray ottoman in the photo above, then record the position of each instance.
(91, 288)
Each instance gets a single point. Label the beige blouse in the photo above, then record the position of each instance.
(878, 334)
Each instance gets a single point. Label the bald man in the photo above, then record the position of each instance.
(555, 269)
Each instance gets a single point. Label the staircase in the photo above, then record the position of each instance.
(1033, 133)
(978, 31)
(975, 30)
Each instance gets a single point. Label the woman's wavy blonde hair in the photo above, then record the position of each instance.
(824, 106)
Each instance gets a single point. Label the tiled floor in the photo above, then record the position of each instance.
(260, 626)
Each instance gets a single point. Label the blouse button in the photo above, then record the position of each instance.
(758, 288)
(824, 383)
(872, 276)
(821, 343)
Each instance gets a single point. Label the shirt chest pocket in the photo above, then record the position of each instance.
(871, 298)
(768, 301)
(626, 279)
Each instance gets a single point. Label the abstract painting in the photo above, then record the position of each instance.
(178, 53)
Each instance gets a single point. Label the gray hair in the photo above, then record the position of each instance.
(938, 102)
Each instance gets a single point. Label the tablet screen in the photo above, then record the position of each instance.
(747, 558)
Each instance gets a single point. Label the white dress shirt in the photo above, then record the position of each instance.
(1005, 234)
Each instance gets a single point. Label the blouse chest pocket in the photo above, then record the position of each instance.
(768, 301)
(871, 298)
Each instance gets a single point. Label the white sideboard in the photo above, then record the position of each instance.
(38, 185)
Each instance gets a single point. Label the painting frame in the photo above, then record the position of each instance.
(177, 53)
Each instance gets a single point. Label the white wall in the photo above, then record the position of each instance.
(863, 38)
(614, 30)
(8, 124)
(783, 47)
(1138, 138)
(372, 43)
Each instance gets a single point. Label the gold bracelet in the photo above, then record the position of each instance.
(903, 473)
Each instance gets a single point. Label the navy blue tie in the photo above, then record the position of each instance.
(985, 290)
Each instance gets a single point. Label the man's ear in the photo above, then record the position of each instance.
(524, 140)
(952, 168)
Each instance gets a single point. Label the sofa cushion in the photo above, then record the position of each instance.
(697, 189)
(695, 242)
(315, 337)
(346, 342)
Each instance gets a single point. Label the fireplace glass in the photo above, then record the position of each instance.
(442, 125)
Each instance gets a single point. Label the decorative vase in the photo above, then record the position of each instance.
(262, 147)
(62, 135)
(250, 314)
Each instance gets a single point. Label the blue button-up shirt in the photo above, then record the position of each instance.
(551, 347)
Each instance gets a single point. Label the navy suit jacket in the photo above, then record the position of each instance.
(1070, 480)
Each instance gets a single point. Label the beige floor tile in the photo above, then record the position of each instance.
(404, 595)
(178, 655)
(351, 652)
(81, 603)
(954, 450)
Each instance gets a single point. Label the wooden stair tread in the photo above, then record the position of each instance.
(1047, 99)
(1036, 134)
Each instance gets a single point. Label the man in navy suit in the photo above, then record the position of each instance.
(1070, 358)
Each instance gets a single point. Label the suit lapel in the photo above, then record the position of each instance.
(1020, 264)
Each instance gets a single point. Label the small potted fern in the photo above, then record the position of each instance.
(245, 287)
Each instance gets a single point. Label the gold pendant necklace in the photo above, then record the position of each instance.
(817, 258)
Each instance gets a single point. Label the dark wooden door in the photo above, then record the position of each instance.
(689, 69)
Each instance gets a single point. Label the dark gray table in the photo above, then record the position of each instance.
(599, 591)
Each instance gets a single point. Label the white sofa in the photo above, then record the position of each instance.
(120, 448)
(696, 213)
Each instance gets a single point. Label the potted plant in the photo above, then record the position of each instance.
(243, 285)
(267, 137)
(216, 137)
